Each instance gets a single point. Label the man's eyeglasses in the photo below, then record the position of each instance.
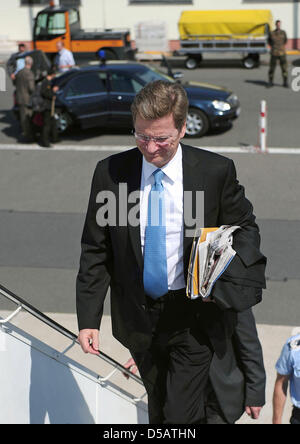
(162, 141)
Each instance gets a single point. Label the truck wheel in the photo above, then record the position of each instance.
(250, 62)
(111, 55)
(191, 63)
(197, 123)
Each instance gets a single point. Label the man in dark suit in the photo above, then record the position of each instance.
(141, 250)
(48, 93)
(25, 85)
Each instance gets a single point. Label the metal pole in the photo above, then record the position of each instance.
(103, 14)
(31, 24)
(263, 126)
(296, 24)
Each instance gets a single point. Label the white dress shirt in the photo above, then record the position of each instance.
(19, 65)
(173, 189)
(63, 58)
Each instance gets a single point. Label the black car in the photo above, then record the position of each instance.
(101, 96)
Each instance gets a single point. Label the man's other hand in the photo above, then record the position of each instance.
(253, 412)
(131, 366)
(89, 341)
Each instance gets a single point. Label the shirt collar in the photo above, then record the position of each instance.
(171, 169)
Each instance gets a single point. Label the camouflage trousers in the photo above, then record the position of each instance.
(283, 65)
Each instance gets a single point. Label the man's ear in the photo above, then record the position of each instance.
(182, 131)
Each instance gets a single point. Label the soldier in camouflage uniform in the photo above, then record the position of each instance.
(277, 41)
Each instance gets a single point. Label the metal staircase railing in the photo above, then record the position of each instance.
(23, 305)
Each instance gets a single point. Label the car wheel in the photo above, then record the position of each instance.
(197, 123)
(63, 121)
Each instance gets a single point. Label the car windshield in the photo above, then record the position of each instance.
(152, 74)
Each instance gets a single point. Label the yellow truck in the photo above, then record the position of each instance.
(239, 31)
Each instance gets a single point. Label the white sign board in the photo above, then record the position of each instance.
(151, 36)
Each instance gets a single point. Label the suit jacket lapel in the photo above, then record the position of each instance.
(193, 181)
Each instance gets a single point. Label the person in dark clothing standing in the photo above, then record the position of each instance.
(277, 41)
(48, 92)
(25, 86)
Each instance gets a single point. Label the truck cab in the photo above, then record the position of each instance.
(61, 23)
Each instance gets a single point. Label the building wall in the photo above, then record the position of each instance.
(127, 15)
(16, 21)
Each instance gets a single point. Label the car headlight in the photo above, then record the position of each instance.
(221, 106)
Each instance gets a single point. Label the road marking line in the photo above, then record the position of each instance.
(117, 148)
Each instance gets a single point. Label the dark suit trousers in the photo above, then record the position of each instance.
(295, 418)
(49, 131)
(25, 115)
(213, 412)
(175, 369)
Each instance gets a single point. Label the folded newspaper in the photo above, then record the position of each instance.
(211, 254)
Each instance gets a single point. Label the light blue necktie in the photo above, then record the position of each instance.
(155, 255)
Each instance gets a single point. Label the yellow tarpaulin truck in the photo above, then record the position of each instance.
(239, 31)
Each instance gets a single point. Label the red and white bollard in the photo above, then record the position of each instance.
(263, 126)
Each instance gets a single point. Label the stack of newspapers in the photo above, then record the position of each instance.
(211, 254)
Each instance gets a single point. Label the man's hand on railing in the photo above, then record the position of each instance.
(89, 341)
(131, 366)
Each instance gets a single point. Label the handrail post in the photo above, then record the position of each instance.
(11, 316)
(106, 378)
(136, 400)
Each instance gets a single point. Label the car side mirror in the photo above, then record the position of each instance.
(177, 75)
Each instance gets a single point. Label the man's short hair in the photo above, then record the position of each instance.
(160, 98)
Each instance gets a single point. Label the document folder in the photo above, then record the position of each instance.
(211, 254)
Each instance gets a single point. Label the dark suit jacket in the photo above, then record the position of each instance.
(47, 93)
(238, 377)
(112, 255)
(25, 85)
